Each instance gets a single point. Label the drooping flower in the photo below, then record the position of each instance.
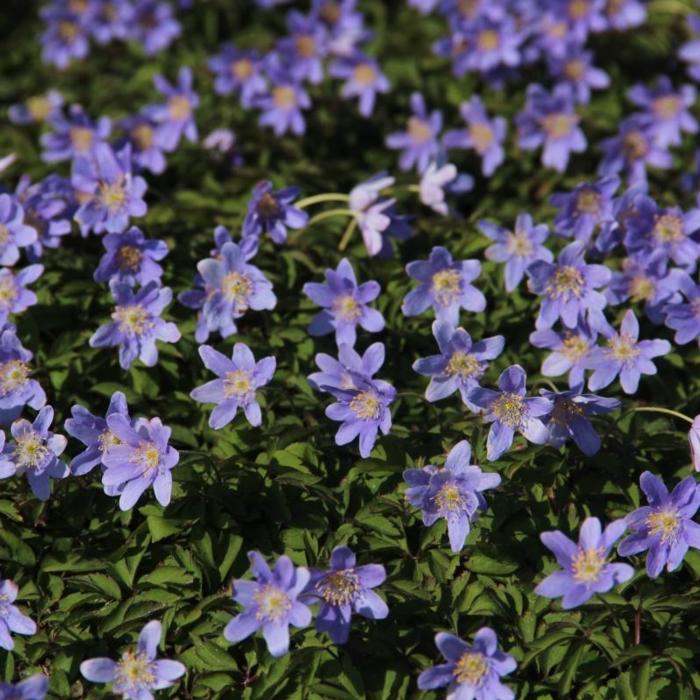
(14, 295)
(36, 109)
(419, 142)
(136, 324)
(271, 603)
(109, 191)
(345, 589)
(509, 410)
(341, 373)
(452, 492)
(472, 671)
(345, 304)
(34, 452)
(444, 286)
(238, 380)
(17, 388)
(363, 80)
(586, 569)
(11, 619)
(273, 212)
(131, 258)
(139, 458)
(665, 528)
(73, 135)
(438, 180)
(518, 248)
(460, 364)
(568, 288)
(239, 71)
(32, 688)
(625, 355)
(138, 672)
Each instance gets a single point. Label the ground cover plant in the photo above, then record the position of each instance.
(349, 349)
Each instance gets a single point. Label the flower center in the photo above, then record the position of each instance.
(588, 202)
(268, 207)
(464, 364)
(39, 107)
(481, 136)
(78, 6)
(448, 499)
(635, 145)
(560, 125)
(30, 450)
(13, 374)
(330, 12)
(419, 131)
(4, 235)
(509, 409)
(665, 523)
(237, 384)
(564, 411)
(237, 287)
(106, 440)
(339, 587)
(133, 319)
(8, 290)
(273, 603)
(574, 347)
(578, 9)
(129, 258)
(519, 244)
(642, 288)
(179, 107)
(447, 286)
(148, 456)
(471, 668)
(68, 31)
(366, 405)
(668, 228)
(284, 97)
(142, 136)
(242, 68)
(488, 40)
(134, 668)
(112, 194)
(468, 8)
(364, 74)
(574, 69)
(305, 45)
(567, 281)
(666, 107)
(346, 308)
(623, 347)
(81, 138)
(588, 564)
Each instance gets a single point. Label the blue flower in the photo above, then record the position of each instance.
(140, 134)
(153, 26)
(11, 619)
(17, 388)
(684, 318)
(32, 688)
(305, 47)
(14, 295)
(340, 373)
(575, 70)
(240, 71)
(131, 258)
(273, 213)
(363, 80)
(36, 109)
(282, 105)
(74, 135)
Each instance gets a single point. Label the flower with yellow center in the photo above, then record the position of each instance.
(8, 290)
(448, 499)
(147, 455)
(567, 282)
(81, 138)
(242, 68)
(668, 228)
(578, 9)
(481, 135)
(518, 243)
(488, 40)
(635, 145)
(419, 130)
(574, 347)
(68, 31)
(666, 107)
(142, 135)
(133, 319)
(574, 69)
(622, 348)
(305, 45)
(134, 668)
(339, 587)
(347, 308)
(284, 97)
(664, 523)
(447, 286)
(237, 384)
(472, 668)
(30, 450)
(237, 287)
(106, 440)
(588, 202)
(364, 74)
(560, 125)
(112, 194)
(464, 364)
(39, 107)
(272, 603)
(13, 374)
(509, 409)
(4, 235)
(588, 564)
(179, 107)
(366, 405)
(129, 258)
(642, 288)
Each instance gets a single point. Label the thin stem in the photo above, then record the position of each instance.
(637, 626)
(348, 234)
(325, 197)
(329, 214)
(658, 409)
(548, 383)
(413, 188)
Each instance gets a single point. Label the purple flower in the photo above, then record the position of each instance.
(568, 288)
(690, 51)
(460, 364)
(363, 410)
(570, 350)
(270, 603)
(419, 142)
(65, 37)
(223, 145)
(238, 380)
(345, 304)
(624, 212)
(14, 232)
(452, 493)
(304, 48)
(137, 672)
(111, 193)
(136, 324)
(110, 20)
(625, 14)
(549, 120)
(341, 373)
(94, 433)
(74, 135)
(154, 26)
(175, 118)
(665, 528)
(575, 70)
(472, 671)
(518, 249)
(139, 458)
(131, 258)
(625, 355)
(483, 135)
(437, 181)
(587, 206)
(694, 443)
(273, 212)
(569, 418)
(146, 152)
(35, 451)
(32, 688)
(668, 110)
(345, 589)
(17, 388)
(282, 106)
(364, 80)
(584, 16)
(685, 318)
(491, 42)
(510, 411)
(632, 150)
(36, 109)
(240, 71)
(11, 619)
(14, 296)
(585, 567)
(444, 285)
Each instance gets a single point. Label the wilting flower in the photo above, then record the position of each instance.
(665, 528)
(11, 619)
(94, 433)
(35, 451)
(73, 135)
(575, 70)
(33, 688)
(460, 363)
(472, 671)
(238, 380)
(452, 492)
(282, 106)
(444, 285)
(341, 373)
(345, 589)
(517, 248)
(139, 458)
(363, 79)
(345, 304)
(36, 109)
(436, 181)
(568, 288)
(239, 71)
(131, 258)
(419, 142)
(569, 418)
(273, 212)
(175, 118)
(14, 296)
(509, 411)
(483, 135)
(136, 324)
(270, 603)
(138, 672)
(111, 194)
(625, 355)
(17, 388)
(586, 569)
(549, 120)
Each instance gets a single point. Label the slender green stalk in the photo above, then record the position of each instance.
(348, 234)
(329, 214)
(319, 198)
(657, 409)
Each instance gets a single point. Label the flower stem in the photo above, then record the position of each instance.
(637, 626)
(329, 214)
(347, 235)
(319, 198)
(658, 409)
